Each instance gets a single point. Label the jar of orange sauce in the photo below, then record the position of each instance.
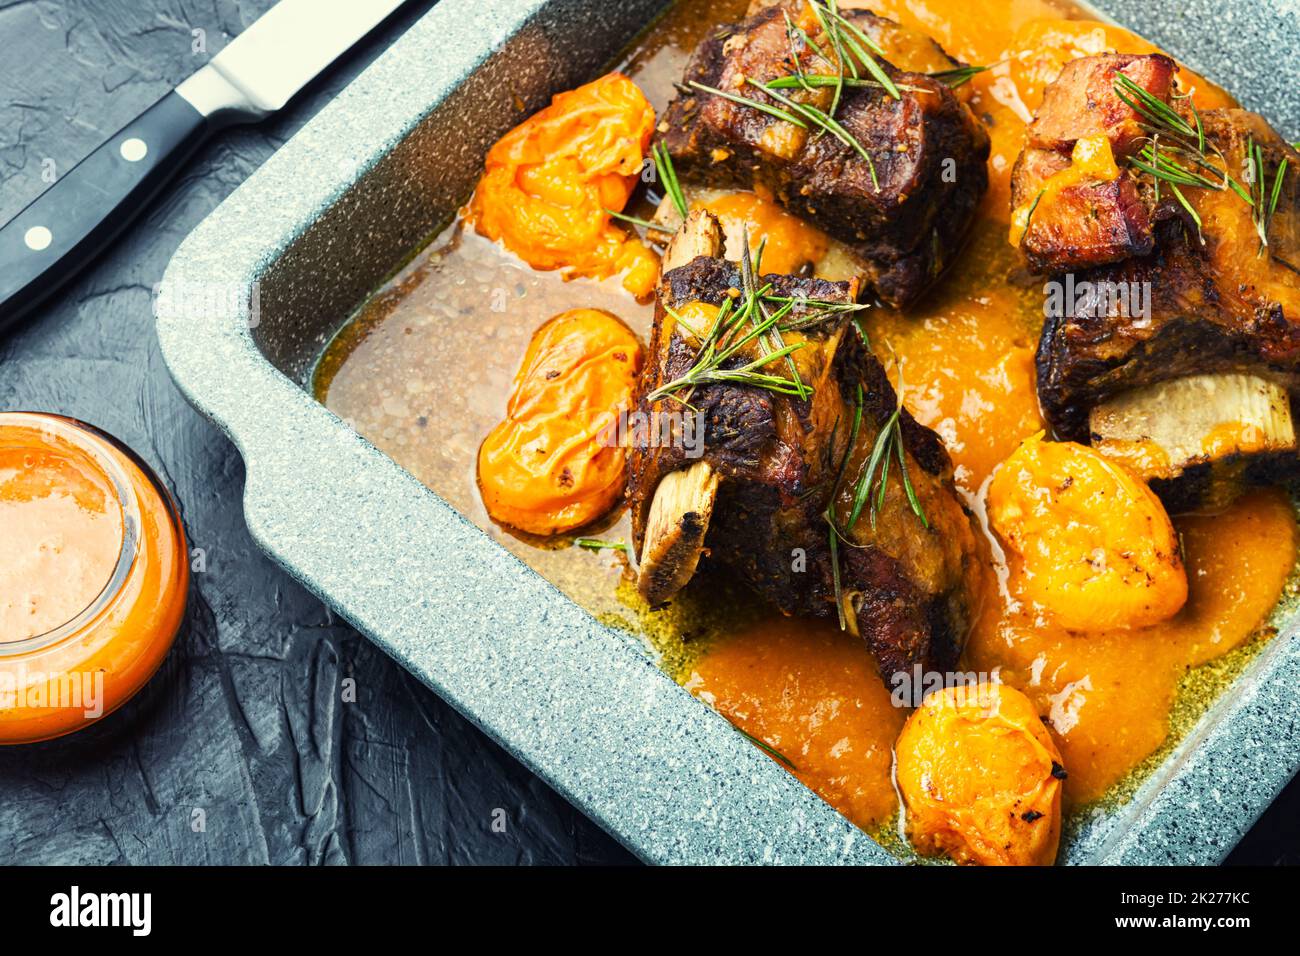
(94, 573)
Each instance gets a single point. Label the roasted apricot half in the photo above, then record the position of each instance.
(1088, 541)
(980, 778)
(551, 465)
(550, 184)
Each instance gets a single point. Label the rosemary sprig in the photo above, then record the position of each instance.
(643, 223)
(1159, 114)
(1161, 167)
(792, 31)
(861, 45)
(1186, 163)
(803, 114)
(823, 121)
(1189, 145)
(837, 46)
(829, 514)
(958, 75)
(773, 340)
(723, 341)
(753, 104)
(889, 441)
(1263, 203)
(767, 748)
(597, 544)
(810, 81)
(819, 310)
(668, 176)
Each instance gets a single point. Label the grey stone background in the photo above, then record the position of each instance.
(245, 722)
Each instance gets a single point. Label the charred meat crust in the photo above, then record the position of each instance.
(1082, 101)
(1087, 224)
(775, 486)
(1200, 483)
(929, 153)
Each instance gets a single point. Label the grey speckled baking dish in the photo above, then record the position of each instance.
(337, 210)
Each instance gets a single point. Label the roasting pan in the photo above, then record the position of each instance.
(256, 291)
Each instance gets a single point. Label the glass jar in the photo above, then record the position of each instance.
(94, 573)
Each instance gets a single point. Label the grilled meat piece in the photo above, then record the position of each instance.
(1082, 101)
(1179, 359)
(905, 48)
(904, 213)
(772, 464)
(1221, 306)
(1073, 197)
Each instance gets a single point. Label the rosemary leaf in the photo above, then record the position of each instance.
(791, 31)
(1151, 108)
(837, 46)
(1178, 194)
(958, 75)
(862, 44)
(767, 748)
(829, 514)
(884, 480)
(1277, 185)
(815, 80)
(834, 540)
(1033, 207)
(668, 176)
(863, 490)
(761, 107)
(597, 544)
(912, 499)
(643, 223)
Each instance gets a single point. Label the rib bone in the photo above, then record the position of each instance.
(683, 501)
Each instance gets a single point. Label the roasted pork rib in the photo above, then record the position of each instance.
(905, 212)
(772, 464)
(1184, 356)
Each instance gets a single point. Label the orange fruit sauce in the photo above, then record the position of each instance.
(811, 692)
(93, 576)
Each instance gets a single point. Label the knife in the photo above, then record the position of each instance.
(255, 75)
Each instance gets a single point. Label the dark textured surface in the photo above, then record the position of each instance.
(246, 722)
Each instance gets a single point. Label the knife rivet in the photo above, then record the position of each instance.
(133, 150)
(38, 238)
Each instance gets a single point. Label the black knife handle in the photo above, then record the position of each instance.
(75, 218)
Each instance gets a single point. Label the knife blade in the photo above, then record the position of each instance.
(254, 76)
(263, 67)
